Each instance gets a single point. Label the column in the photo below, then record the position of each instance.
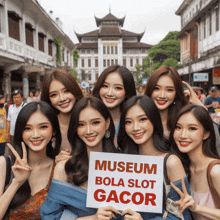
(38, 81)
(25, 85)
(7, 83)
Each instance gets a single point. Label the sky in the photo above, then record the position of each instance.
(155, 17)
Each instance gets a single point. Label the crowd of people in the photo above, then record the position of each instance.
(44, 174)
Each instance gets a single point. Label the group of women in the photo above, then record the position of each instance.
(67, 126)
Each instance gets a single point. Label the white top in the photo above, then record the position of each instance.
(13, 112)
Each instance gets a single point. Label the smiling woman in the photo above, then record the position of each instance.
(62, 92)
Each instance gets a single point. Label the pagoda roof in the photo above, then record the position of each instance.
(109, 17)
(136, 45)
(87, 46)
(110, 32)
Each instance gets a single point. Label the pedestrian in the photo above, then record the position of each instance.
(3, 116)
(141, 132)
(31, 97)
(114, 86)
(62, 92)
(36, 142)
(213, 101)
(91, 129)
(193, 138)
(14, 109)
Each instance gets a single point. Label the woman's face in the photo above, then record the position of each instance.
(137, 125)
(112, 91)
(61, 98)
(92, 127)
(189, 133)
(38, 132)
(164, 92)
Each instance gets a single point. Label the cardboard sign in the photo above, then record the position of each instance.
(125, 181)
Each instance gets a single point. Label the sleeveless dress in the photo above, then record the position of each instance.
(204, 199)
(30, 209)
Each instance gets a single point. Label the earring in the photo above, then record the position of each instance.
(107, 134)
(174, 102)
(53, 140)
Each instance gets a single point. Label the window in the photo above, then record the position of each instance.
(107, 49)
(90, 76)
(29, 35)
(63, 53)
(96, 76)
(50, 47)
(41, 41)
(124, 62)
(104, 50)
(210, 24)
(200, 4)
(197, 8)
(89, 62)
(116, 62)
(112, 62)
(217, 19)
(143, 61)
(82, 62)
(112, 50)
(204, 28)
(137, 61)
(96, 63)
(131, 62)
(13, 25)
(116, 49)
(104, 63)
(108, 63)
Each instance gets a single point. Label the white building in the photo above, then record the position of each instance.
(27, 47)
(200, 40)
(109, 45)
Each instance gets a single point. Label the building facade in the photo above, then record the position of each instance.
(200, 41)
(27, 48)
(108, 45)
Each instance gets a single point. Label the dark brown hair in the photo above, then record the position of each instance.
(67, 79)
(127, 78)
(179, 99)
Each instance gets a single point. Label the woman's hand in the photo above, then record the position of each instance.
(186, 201)
(132, 215)
(20, 168)
(63, 155)
(193, 98)
(106, 212)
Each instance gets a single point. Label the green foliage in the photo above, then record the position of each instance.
(74, 75)
(167, 52)
(58, 42)
(75, 57)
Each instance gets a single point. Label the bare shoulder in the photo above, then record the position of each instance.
(215, 173)
(175, 169)
(59, 171)
(173, 162)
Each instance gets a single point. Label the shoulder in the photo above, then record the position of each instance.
(59, 171)
(215, 173)
(175, 169)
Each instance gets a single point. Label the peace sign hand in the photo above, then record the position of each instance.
(186, 201)
(193, 98)
(20, 168)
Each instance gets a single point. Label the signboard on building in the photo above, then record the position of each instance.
(200, 77)
(134, 181)
(216, 76)
(144, 81)
(84, 85)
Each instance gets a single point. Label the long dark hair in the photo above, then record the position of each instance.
(24, 191)
(209, 145)
(127, 78)
(77, 166)
(179, 100)
(126, 144)
(67, 79)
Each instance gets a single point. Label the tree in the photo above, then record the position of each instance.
(74, 75)
(167, 52)
(75, 57)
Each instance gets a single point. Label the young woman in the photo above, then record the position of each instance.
(114, 86)
(36, 142)
(91, 129)
(165, 87)
(193, 137)
(61, 91)
(141, 132)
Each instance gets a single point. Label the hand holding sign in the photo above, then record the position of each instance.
(186, 201)
(132, 215)
(20, 168)
(106, 212)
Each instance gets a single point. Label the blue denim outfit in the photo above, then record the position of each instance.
(66, 201)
